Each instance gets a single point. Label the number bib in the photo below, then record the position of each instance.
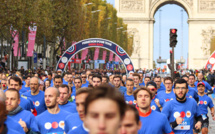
(185, 125)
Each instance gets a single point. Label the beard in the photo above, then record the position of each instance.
(182, 98)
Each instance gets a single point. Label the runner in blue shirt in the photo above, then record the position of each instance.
(26, 87)
(58, 80)
(117, 81)
(25, 118)
(104, 110)
(157, 80)
(96, 80)
(53, 119)
(74, 123)
(78, 84)
(27, 104)
(153, 122)
(156, 103)
(208, 88)
(84, 78)
(191, 82)
(168, 94)
(36, 95)
(191, 92)
(3, 85)
(182, 110)
(5, 127)
(129, 98)
(136, 78)
(131, 121)
(64, 104)
(105, 79)
(204, 103)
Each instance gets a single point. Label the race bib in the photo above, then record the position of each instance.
(204, 117)
(56, 133)
(184, 126)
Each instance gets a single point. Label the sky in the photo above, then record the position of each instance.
(171, 17)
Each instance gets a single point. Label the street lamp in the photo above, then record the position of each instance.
(95, 11)
(87, 4)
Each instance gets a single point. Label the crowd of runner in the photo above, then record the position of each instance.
(104, 102)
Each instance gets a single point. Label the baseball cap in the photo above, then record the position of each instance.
(201, 83)
(152, 83)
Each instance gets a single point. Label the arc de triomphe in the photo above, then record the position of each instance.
(139, 16)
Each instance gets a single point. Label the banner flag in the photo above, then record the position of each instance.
(96, 54)
(31, 40)
(111, 56)
(104, 55)
(211, 62)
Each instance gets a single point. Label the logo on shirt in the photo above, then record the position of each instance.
(73, 97)
(188, 114)
(201, 102)
(190, 96)
(153, 107)
(205, 102)
(182, 114)
(134, 101)
(167, 100)
(54, 125)
(37, 103)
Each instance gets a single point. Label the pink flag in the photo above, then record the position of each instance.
(31, 40)
(116, 58)
(15, 35)
(104, 55)
(84, 54)
(111, 56)
(96, 54)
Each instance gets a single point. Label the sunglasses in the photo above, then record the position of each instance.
(152, 89)
(83, 77)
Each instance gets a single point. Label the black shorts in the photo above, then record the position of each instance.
(205, 124)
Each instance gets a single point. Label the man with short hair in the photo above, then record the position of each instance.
(182, 110)
(153, 122)
(205, 102)
(105, 79)
(64, 104)
(78, 84)
(90, 79)
(47, 83)
(97, 80)
(15, 82)
(36, 95)
(156, 103)
(5, 128)
(131, 121)
(137, 83)
(104, 110)
(75, 122)
(208, 88)
(25, 118)
(52, 120)
(191, 81)
(58, 80)
(147, 79)
(168, 94)
(129, 98)
(116, 82)
(4, 85)
(70, 80)
(157, 80)
(84, 78)
(26, 87)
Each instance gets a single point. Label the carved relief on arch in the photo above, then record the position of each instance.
(207, 6)
(189, 2)
(208, 35)
(136, 40)
(132, 5)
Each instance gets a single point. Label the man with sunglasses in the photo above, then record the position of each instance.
(156, 103)
(84, 78)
